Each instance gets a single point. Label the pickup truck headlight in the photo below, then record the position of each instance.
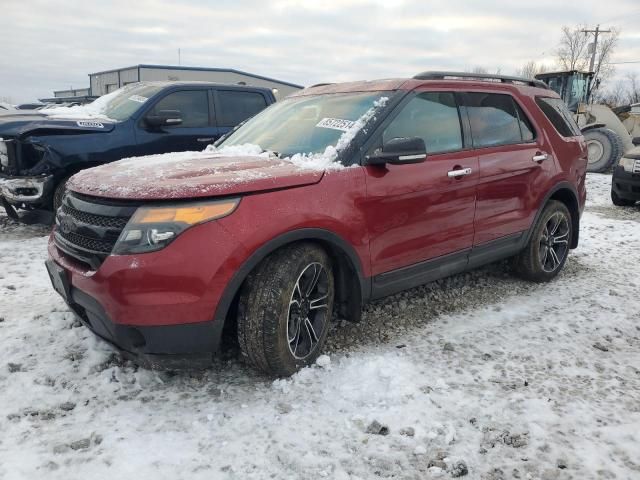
(627, 164)
(153, 228)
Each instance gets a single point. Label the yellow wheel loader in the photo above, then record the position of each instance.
(610, 133)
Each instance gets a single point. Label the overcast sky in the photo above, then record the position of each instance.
(48, 45)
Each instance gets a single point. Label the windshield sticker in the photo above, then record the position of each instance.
(138, 98)
(335, 124)
(90, 124)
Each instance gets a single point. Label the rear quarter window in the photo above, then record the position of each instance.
(559, 115)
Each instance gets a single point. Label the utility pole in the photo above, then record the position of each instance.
(181, 63)
(596, 32)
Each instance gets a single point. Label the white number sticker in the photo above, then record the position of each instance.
(335, 124)
(90, 124)
(138, 98)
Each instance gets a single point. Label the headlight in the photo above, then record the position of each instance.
(627, 164)
(153, 228)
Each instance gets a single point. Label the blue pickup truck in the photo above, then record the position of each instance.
(39, 151)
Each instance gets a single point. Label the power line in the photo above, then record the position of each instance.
(622, 63)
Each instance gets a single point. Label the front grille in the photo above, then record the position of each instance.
(89, 244)
(88, 228)
(99, 220)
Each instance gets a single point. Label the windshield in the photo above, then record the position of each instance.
(126, 101)
(308, 125)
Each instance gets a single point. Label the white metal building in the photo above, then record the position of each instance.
(110, 80)
(76, 92)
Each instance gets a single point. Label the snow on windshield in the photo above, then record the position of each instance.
(99, 108)
(312, 161)
(94, 109)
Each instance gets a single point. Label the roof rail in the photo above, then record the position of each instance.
(321, 84)
(487, 77)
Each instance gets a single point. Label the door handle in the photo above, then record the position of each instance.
(459, 173)
(540, 157)
(207, 139)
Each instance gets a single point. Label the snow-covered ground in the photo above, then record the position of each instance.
(481, 373)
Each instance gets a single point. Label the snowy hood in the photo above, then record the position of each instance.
(17, 125)
(190, 175)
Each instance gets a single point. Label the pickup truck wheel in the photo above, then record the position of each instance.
(604, 148)
(285, 309)
(58, 193)
(621, 202)
(548, 248)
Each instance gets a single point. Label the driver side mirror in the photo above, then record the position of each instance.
(399, 151)
(164, 118)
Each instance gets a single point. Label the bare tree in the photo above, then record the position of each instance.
(623, 92)
(613, 96)
(574, 52)
(531, 69)
(633, 88)
(603, 70)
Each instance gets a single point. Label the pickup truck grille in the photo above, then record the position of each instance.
(88, 228)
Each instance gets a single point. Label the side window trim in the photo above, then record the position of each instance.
(467, 139)
(527, 120)
(211, 92)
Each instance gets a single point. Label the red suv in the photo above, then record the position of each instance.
(337, 195)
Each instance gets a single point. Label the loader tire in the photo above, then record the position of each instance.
(604, 147)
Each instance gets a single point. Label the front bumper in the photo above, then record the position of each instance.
(625, 184)
(26, 190)
(159, 306)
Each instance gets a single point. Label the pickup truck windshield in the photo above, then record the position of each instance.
(305, 125)
(127, 101)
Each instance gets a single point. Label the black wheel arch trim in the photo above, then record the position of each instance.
(309, 234)
(592, 126)
(575, 216)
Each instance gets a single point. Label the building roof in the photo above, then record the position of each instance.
(201, 69)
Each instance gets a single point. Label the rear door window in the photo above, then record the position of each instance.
(193, 106)
(432, 116)
(236, 106)
(559, 115)
(495, 120)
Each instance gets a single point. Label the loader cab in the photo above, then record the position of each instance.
(573, 86)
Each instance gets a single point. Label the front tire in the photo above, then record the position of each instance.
(285, 309)
(58, 193)
(548, 248)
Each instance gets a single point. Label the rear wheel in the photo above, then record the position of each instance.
(621, 202)
(604, 148)
(285, 309)
(548, 247)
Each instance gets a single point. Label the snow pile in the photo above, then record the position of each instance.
(94, 110)
(481, 373)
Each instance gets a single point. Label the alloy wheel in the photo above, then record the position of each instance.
(554, 242)
(308, 310)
